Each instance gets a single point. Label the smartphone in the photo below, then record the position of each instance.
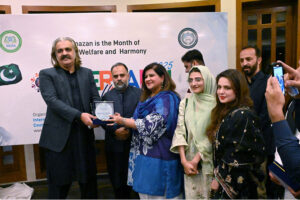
(277, 71)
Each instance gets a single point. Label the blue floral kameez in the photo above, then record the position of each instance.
(153, 169)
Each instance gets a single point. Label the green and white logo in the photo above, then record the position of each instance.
(10, 41)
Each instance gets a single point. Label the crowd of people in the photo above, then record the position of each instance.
(216, 142)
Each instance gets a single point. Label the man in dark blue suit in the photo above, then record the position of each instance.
(117, 138)
(250, 60)
(68, 90)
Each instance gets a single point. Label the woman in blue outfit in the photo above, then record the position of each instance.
(154, 171)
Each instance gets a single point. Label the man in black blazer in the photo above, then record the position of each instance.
(68, 90)
(250, 60)
(117, 138)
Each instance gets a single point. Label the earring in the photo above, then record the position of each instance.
(162, 85)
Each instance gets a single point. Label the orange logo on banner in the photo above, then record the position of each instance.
(105, 77)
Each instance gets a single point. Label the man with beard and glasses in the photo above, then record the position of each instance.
(117, 138)
(68, 89)
(250, 60)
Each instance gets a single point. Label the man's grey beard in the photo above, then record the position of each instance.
(121, 87)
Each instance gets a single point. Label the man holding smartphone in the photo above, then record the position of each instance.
(287, 144)
(250, 60)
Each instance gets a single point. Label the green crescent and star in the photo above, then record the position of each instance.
(10, 74)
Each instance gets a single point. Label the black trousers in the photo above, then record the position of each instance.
(117, 166)
(77, 161)
(88, 190)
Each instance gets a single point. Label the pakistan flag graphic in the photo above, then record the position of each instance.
(10, 74)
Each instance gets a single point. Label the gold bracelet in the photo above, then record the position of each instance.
(123, 120)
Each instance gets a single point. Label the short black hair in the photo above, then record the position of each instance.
(257, 50)
(118, 64)
(193, 55)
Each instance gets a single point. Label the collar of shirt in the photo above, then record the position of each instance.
(258, 75)
(68, 73)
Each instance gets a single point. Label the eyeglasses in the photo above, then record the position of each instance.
(197, 79)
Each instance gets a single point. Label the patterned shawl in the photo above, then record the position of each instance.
(165, 104)
(156, 120)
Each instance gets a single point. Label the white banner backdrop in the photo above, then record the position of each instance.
(136, 39)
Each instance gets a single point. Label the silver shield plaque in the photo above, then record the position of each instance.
(103, 109)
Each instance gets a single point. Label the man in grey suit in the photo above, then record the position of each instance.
(67, 138)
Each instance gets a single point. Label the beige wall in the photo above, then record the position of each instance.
(228, 6)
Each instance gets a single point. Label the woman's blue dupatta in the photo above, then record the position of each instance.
(164, 103)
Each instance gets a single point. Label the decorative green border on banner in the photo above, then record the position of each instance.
(10, 50)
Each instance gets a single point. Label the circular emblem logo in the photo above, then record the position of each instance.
(10, 41)
(188, 38)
